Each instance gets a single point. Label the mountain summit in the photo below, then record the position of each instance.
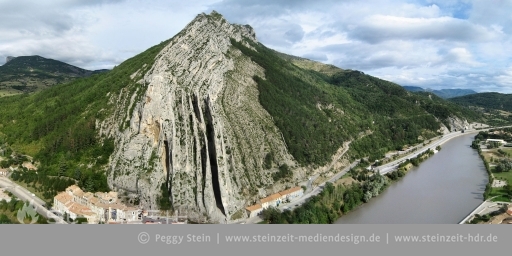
(196, 123)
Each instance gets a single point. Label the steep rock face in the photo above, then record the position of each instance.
(9, 58)
(456, 124)
(197, 127)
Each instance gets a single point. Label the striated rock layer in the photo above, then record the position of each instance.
(196, 126)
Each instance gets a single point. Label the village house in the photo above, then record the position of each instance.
(107, 198)
(291, 194)
(77, 210)
(254, 210)
(61, 201)
(273, 200)
(96, 207)
(4, 172)
(121, 212)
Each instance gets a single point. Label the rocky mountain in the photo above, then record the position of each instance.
(197, 124)
(211, 120)
(33, 73)
(200, 125)
(443, 93)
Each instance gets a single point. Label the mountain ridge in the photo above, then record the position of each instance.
(443, 93)
(488, 100)
(25, 74)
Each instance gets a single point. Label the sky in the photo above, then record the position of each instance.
(441, 44)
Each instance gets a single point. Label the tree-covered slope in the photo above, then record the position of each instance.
(318, 111)
(33, 73)
(57, 126)
(488, 100)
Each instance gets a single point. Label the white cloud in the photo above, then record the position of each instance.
(429, 43)
(379, 28)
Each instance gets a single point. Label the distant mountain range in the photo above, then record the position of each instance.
(443, 93)
(33, 73)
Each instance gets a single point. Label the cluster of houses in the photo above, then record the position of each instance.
(274, 200)
(98, 207)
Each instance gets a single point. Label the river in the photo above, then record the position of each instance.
(443, 189)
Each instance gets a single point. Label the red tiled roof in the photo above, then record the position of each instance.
(253, 207)
(270, 198)
(289, 191)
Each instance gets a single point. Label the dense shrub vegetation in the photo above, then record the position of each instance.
(330, 204)
(317, 112)
(9, 211)
(334, 201)
(57, 126)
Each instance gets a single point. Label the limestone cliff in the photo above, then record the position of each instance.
(455, 123)
(9, 58)
(196, 125)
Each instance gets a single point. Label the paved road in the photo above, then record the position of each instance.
(25, 195)
(383, 169)
(394, 164)
(388, 167)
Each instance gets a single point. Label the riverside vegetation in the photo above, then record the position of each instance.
(498, 162)
(9, 212)
(336, 200)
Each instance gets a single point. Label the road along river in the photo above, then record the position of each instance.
(443, 189)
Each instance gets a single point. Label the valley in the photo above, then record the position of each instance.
(211, 121)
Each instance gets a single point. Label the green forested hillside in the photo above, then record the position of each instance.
(57, 125)
(496, 107)
(317, 112)
(33, 73)
(488, 100)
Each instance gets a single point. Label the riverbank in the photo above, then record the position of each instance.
(439, 184)
(334, 201)
(498, 163)
(492, 212)
(357, 195)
